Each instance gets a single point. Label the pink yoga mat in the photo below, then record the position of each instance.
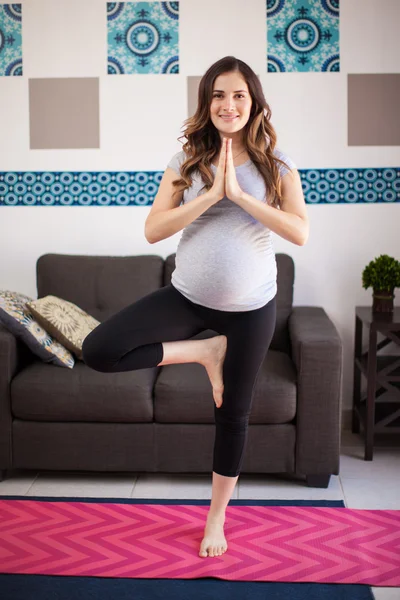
(265, 543)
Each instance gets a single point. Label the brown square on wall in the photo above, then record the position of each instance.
(64, 113)
(193, 89)
(373, 109)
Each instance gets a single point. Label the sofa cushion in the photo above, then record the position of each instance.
(66, 322)
(17, 318)
(99, 285)
(41, 392)
(183, 393)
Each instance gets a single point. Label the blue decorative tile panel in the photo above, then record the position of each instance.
(11, 39)
(320, 186)
(142, 37)
(302, 35)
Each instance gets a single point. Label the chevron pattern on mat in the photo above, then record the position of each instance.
(265, 543)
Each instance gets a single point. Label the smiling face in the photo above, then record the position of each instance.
(231, 103)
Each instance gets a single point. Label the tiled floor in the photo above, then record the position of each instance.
(361, 484)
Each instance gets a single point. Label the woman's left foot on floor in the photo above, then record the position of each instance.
(214, 541)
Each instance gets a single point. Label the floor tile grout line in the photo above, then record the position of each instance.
(344, 495)
(36, 477)
(134, 485)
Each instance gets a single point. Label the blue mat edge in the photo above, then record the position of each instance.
(244, 502)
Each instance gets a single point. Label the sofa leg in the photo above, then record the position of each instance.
(3, 474)
(318, 481)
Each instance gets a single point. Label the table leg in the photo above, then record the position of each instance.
(355, 421)
(371, 392)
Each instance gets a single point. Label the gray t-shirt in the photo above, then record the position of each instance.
(225, 259)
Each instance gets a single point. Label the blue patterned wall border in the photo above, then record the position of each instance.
(139, 188)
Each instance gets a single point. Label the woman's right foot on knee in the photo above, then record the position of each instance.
(213, 363)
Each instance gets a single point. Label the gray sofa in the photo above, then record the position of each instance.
(162, 419)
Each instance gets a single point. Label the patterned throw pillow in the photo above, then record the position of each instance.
(68, 323)
(17, 318)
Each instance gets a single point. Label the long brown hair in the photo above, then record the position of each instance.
(204, 142)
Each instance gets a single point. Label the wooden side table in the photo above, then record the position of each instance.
(380, 370)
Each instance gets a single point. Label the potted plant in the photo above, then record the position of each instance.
(383, 275)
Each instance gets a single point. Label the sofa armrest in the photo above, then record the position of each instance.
(317, 353)
(12, 359)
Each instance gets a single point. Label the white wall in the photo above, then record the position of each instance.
(141, 117)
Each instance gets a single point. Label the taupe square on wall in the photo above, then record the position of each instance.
(64, 113)
(373, 109)
(193, 82)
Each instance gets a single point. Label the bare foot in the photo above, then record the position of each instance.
(214, 541)
(213, 364)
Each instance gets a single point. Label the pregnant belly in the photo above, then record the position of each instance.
(229, 273)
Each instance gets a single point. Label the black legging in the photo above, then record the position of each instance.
(132, 339)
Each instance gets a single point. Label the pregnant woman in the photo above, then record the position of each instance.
(227, 189)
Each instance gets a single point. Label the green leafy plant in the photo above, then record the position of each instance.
(382, 274)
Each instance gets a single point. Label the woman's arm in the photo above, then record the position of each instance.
(291, 221)
(166, 223)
